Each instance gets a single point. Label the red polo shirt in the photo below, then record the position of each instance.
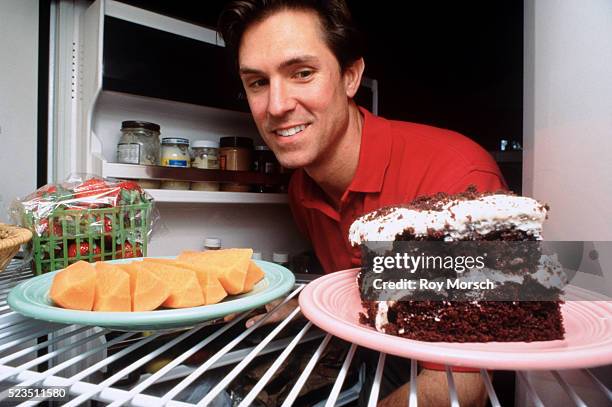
(398, 161)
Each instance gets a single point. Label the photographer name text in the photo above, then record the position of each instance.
(424, 284)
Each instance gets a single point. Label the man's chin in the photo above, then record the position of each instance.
(292, 164)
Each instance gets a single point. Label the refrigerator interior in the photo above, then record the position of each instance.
(85, 130)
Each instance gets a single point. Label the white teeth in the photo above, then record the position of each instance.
(291, 131)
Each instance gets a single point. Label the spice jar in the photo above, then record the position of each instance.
(139, 143)
(235, 155)
(206, 156)
(175, 153)
(265, 162)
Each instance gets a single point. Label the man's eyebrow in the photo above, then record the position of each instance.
(245, 70)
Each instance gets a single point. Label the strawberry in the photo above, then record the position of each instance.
(45, 231)
(129, 251)
(84, 250)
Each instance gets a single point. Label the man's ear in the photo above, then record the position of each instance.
(352, 77)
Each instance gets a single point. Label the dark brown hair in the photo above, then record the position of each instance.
(339, 32)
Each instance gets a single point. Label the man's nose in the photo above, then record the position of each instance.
(280, 100)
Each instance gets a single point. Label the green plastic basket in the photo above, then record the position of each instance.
(106, 229)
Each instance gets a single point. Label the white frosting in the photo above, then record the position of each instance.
(457, 219)
(381, 315)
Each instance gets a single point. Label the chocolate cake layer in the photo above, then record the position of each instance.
(484, 321)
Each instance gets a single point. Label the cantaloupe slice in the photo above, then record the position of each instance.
(212, 290)
(254, 275)
(185, 290)
(229, 265)
(112, 289)
(75, 286)
(148, 290)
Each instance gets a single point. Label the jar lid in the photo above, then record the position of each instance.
(256, 256)
(278, 257)
(262, 148)
(136, 124)
(175, 140)
(212, 242)
(205, 144)
(243, 142)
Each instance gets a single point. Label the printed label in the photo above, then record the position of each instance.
(128, 153)
(174, 163)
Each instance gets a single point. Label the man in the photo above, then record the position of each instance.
(301, 64)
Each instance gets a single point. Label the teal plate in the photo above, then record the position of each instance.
(31, 298)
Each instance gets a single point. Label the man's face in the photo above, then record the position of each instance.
(294, 87)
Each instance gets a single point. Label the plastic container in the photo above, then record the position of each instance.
(235, 154)
(205, 155)
(212, 243)
(139, 143)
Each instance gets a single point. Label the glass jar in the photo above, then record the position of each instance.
(206, 156)
(139, 143)
(281, 258)
(265, 162)
(149, 183)
(171, 184)
(235, 154)
(175, 153)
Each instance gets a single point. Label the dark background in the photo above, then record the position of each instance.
(456, 65)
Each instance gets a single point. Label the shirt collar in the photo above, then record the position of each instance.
(374, 157)
(374, 154)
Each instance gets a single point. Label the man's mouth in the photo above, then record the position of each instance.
(291, 131)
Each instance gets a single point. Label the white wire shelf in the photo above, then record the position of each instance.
(31, 351)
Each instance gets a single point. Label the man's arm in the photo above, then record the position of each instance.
(432, 390)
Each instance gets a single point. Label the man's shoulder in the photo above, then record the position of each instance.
(430, 141)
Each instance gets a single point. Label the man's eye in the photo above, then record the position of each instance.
(257, 83)
(303, 74)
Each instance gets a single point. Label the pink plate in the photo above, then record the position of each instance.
(332, 303)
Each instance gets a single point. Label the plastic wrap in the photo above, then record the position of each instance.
(87, 219)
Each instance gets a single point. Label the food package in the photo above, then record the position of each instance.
(87, 219)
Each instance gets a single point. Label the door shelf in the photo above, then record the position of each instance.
(176, 196)
(132, 171)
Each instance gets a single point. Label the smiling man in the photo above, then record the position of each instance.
(301, 64)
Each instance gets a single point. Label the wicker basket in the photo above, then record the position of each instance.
(11, 237)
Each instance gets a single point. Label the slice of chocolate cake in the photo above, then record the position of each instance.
(475, 217)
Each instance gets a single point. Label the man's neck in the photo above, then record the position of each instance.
(336, 172)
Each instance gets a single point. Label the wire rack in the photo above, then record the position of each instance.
(33, 353)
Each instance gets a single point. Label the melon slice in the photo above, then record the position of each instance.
(112, 289)
(185, 290)
(147, 289)
(229, 265)
(75, 287)
(212, 290)
(254, 275)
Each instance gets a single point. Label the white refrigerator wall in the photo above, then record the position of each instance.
(18, 99)
(568, 142)
(568, 115)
